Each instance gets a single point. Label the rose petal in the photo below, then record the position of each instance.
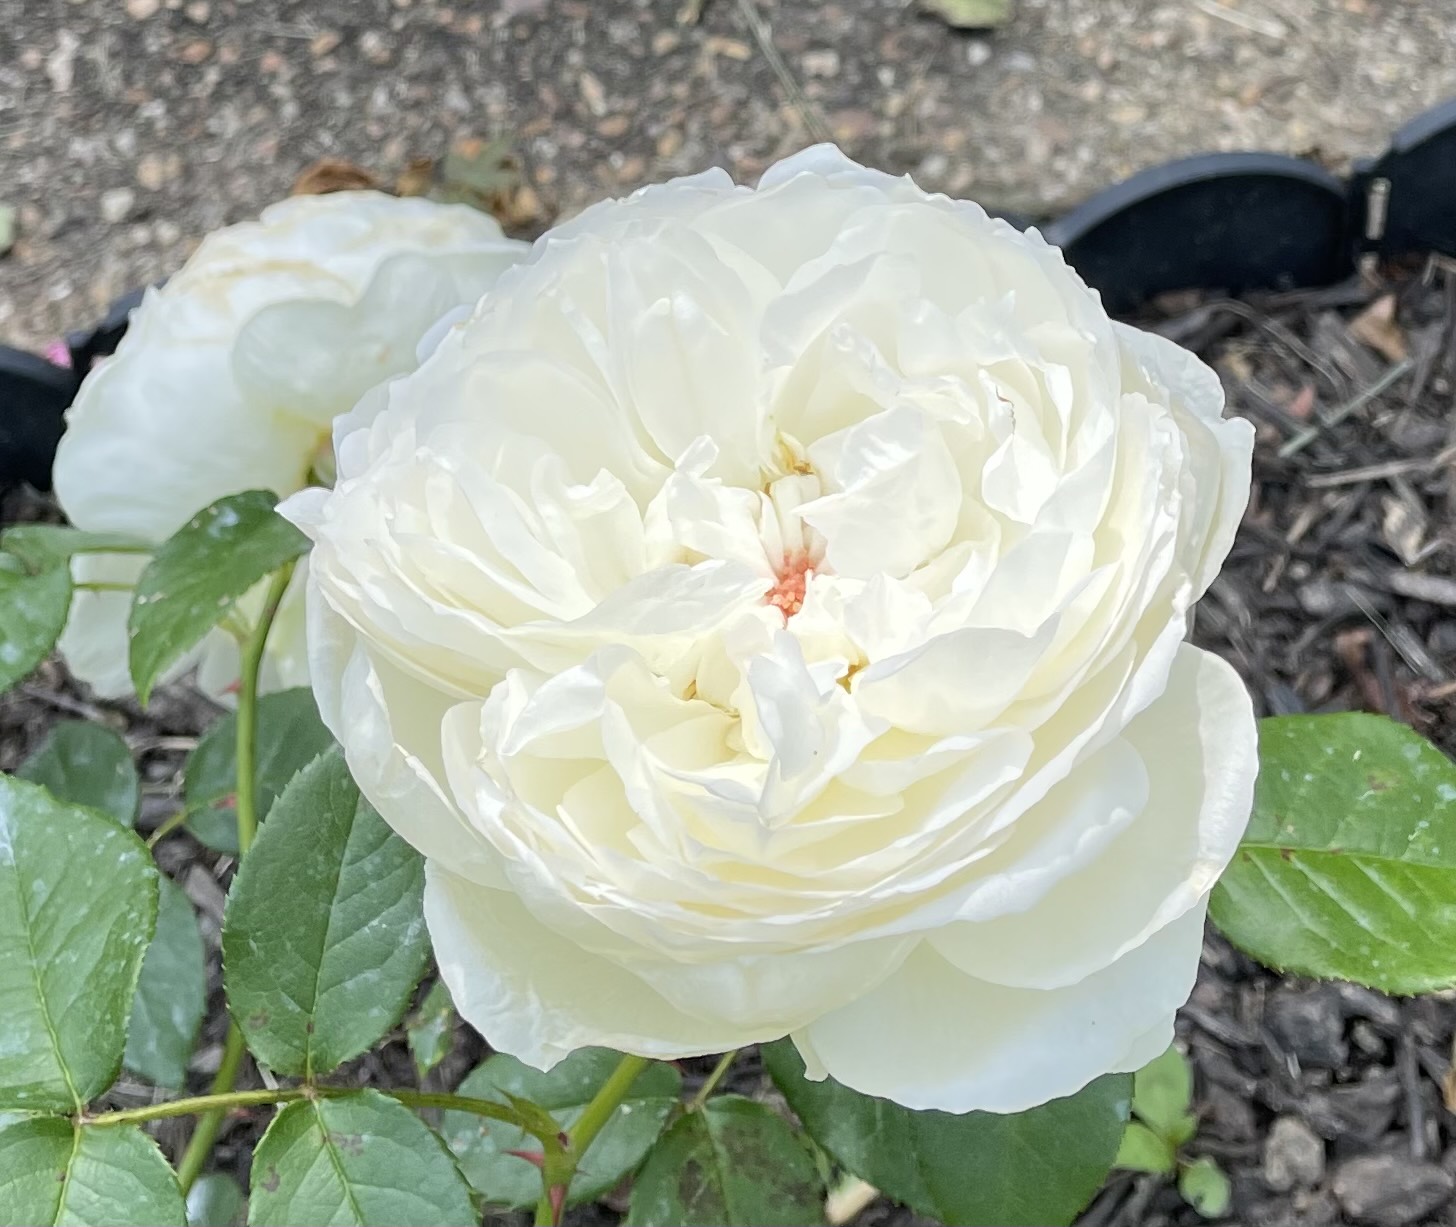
(1197, 745)
(539, 997)
(932, 1038)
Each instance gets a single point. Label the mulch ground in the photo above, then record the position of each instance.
(1325, 1103)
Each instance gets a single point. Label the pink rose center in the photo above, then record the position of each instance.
(787, 595)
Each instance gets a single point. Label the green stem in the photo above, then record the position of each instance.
(204, 1134)
(101, 585)
(251, 667)
(165, 828)
(710, 1083)
(460, 1103)
(591, 1122)
(179, 818)
(219, 1103)
(606, 1101)
(195, 1105)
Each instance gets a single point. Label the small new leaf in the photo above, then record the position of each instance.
(324, 937)
(1203, 1185)
(1352, 838)
(1142, 1150)
(78, 901)
(198, 575)
(1162, 1092)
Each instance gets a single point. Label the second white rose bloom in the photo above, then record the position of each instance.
(766, 614)
(229, 378)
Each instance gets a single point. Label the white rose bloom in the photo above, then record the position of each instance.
(228, 380)
(766, 615)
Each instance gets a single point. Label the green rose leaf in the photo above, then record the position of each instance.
(360, 1160)
(731, 1163)
(216, 1200)
(1038, 1167)
(15, 1118)
(87, 764)
(42, 546)
(171, 994)
(324, 937)
(33, 610)
(53, 1172)
(480, 1145)
(197, 576)
(290, 736)
(431, 1029)
(1348, 868)
(78, 900)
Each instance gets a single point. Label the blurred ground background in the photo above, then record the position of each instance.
(128, 128)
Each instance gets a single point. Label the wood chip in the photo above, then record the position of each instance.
(1376, 327)
(1403, 525)
(1435, 589)
(416, 178)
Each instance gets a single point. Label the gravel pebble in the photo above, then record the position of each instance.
(116, 204)
(1310, 1024)
(1293, 1156)
(1390, 1190)
(1356, 1110)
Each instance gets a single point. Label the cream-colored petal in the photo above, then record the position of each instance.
(931, 1037)
(389, 726)
(94, 643)
(1222, 446)
(776, 993)
(735, 746)
(1197, 745)
(313, 358)
(539, 997)
(139, 458)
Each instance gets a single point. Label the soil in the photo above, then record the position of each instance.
(130, 128)
(1323, 1102)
